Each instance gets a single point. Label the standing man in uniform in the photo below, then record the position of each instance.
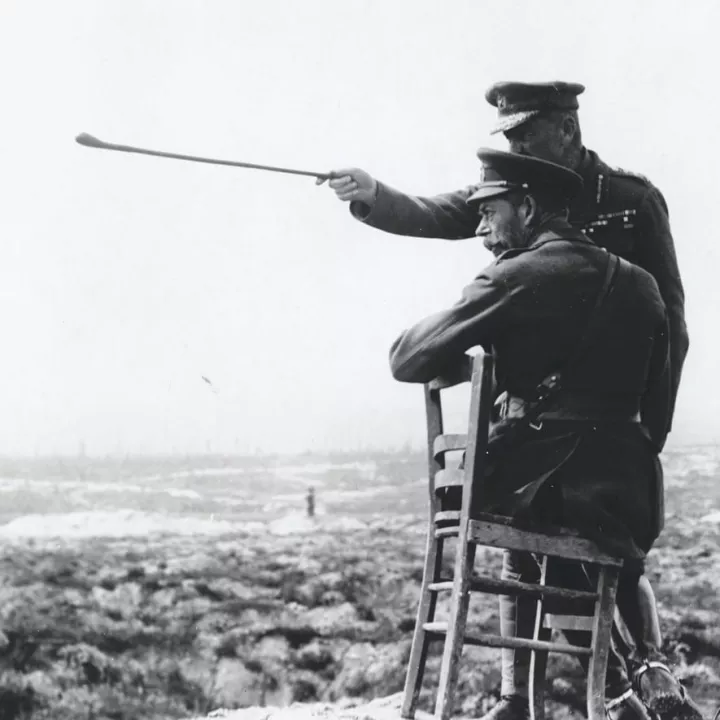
(620, 211)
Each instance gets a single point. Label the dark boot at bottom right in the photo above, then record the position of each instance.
(663, 694)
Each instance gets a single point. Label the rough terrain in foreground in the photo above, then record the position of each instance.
(166, 626)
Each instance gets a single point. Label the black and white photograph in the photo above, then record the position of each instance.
(360, 360)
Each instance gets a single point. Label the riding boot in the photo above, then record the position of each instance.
(653, 681)
(517, 619)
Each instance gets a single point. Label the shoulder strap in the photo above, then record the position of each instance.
(596, 316)
(552, 383)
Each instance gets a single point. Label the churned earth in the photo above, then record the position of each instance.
(179, 619)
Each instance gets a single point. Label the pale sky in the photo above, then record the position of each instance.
(125, 279)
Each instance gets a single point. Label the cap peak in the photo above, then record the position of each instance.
(517, 102)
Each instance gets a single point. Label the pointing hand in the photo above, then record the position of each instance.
(352, 184)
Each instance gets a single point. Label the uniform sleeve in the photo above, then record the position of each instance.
(434, 345)
(447, 216)
(657, 401)
(656, 254)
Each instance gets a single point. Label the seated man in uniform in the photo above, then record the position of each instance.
(618, 210)
(590, 463)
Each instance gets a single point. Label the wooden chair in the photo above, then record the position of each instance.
(471, 530)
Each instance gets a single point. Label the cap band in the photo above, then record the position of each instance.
(517, 102)
(505, 184)
(502, 172)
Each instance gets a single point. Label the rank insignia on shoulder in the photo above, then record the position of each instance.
(619, 213)
(628, 173)
(619, 220)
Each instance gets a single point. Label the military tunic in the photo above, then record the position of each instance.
(619, 211)
(530, 308)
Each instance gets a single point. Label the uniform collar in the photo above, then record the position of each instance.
(590, 165)
(594, 173)
(555, 229)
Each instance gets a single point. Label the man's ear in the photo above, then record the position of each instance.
(569, 126)
(529, 210)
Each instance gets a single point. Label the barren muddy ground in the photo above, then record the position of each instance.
(167, 600)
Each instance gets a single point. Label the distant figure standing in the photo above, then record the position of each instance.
(311, 502)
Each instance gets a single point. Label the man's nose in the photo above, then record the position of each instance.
(482, 229)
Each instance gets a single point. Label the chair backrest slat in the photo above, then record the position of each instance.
(478, 370)
(478, 429)
(449, 443)
(436, 463)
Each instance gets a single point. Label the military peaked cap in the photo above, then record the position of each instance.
(505, 172)
(517, 102)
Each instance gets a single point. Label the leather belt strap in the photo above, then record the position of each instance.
(623, 409)
(561, 414)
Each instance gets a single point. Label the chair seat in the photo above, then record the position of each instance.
(567, 545)
(502, 532)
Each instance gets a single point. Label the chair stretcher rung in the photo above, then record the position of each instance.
(497, 586)
(446, 532)
(449, 478)
(486, 640)
(568, 622)
(449, 443)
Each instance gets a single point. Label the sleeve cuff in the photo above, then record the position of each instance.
(362, 211)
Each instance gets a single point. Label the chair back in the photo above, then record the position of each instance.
(478, 370)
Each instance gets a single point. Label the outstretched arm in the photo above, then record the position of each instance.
(446, 216)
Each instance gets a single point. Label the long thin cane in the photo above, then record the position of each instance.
(93, 142)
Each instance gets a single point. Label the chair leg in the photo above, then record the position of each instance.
(601, 635)
(464, 561)
(539, 659)
(538, 681)
(425, 613)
